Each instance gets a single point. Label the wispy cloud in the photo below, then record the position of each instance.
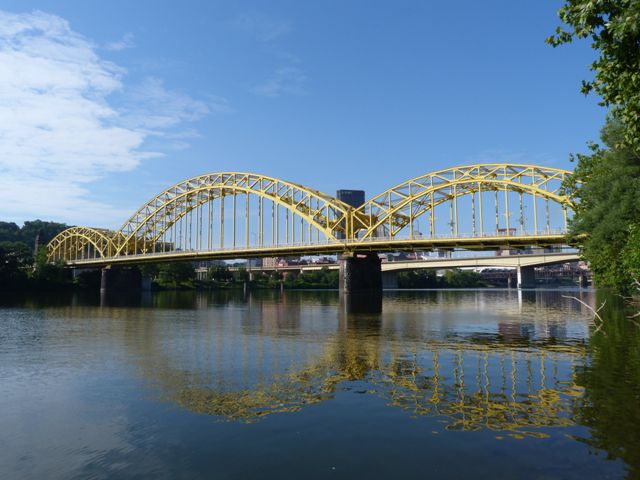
(59, 128)
(285, 80)
(263, 27)
(125, 42)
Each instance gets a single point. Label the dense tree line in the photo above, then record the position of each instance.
(21, 266)
(32, 229)
(606, 183)
(429, 279)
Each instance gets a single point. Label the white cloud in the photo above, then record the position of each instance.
(58, 130)
(125, 42)
(263, 27)
(285, 80)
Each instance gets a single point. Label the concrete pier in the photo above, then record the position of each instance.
(360, 273)
(123, 279)
(526, 277)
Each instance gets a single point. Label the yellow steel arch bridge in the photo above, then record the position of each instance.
(240, 215)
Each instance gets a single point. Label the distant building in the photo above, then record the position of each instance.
(270, 262)
(354, 198)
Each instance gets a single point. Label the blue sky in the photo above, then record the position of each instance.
(104, 104)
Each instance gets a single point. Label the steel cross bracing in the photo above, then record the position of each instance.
(235, 215)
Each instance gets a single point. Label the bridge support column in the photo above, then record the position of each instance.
(360, 273)
(389, 280)
(583, 281)
(123, 279)
(526, 277)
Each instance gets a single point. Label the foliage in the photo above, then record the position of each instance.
(220, 273)
(323, 278)
(9, 232)
(605, 187)
(48, 274)
(241, 275)
(418, 279)
(606, 183)
(631, 253)
(175, 274)
(15, 259)
(455, 278)
(45, 231)
(614, 29)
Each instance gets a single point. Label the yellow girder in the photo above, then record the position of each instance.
(161, 212)
(70, 243)
(392, 210)
(432, 189)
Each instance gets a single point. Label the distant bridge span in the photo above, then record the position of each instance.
(502, 261)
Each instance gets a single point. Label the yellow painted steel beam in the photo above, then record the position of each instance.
(170, 215)
(387, 207)
(470, 243)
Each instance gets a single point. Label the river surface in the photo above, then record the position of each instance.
(493, 384)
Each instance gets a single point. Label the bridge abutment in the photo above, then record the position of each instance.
(360, 273)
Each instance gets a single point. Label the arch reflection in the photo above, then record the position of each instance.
(510, 371)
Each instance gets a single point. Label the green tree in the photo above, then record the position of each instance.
(242, 275)
(15, 262)
(418, 279)
(176, 274)
(9, 232)
(220, 273)
(606, 189)
(457, 278)
(606, 183)
(48, 274)
(44, 231)
(614, 29)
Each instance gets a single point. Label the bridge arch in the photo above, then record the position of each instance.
(76, 243)
(398, 207)
(154, 219)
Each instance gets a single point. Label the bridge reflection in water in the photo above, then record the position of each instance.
(242, 359)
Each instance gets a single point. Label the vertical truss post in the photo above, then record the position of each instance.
(277, 224)
(246, 221)
(497, 211)
(535, 214)
(221, 219)
(210, 217)
(198, 221)
(451, 211)
(473, 212)
(234, 217)
(480, 205)
(506, 206)
(521, 214)
(546, 201)
(260, 222)
(432, 218)
(455, 207)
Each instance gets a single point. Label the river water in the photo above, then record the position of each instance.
(441, 384)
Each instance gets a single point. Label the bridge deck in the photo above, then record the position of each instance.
(375, 245)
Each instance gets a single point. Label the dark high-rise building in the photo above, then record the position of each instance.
(355, 198)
